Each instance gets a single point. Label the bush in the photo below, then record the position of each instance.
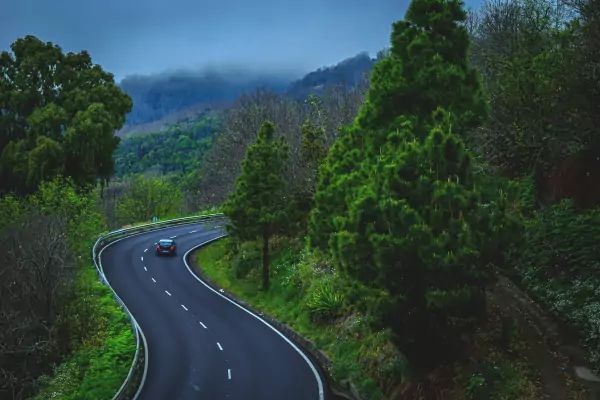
(558, 262)
(496, 381)
(246, 257)
(323, 300)
(145, 198)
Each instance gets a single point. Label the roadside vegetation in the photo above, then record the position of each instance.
(437, 185)
(375, 218)
(68, 338)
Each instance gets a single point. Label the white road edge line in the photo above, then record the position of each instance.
(229, 373)
(153, 280)
(300, 352)
(219, 345)
(184, 307)
(145, 374)
(204, 326)
(167, 292)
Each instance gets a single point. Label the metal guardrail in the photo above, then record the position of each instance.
(132, 385)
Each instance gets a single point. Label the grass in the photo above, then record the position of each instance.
(346, 341)
(365, 358)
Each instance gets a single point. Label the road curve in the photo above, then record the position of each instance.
(201, 345)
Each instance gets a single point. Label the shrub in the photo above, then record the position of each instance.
(323, 300)
(246, 257)
(558, 262)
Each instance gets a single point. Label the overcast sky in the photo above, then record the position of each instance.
(150, 36)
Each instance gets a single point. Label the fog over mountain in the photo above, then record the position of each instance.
(156, 96)
(178, 94)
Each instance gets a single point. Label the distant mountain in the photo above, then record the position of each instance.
(177, 149)
(349, 73)
(155, 97)
(163, 100)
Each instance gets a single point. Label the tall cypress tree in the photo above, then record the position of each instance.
(257, 208)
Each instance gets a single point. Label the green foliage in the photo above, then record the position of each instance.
(426, 68)
(245, 257)
(178, 150)
(145, 198)
(536, 67)
(415, 230)
(558, 262)
(106, 346)
(89, 336)
(258, 201)
(496, 381)
(397, 205)
(358, 354)
(257, 208)
(323, 300)
(11, 210)
(58, 113)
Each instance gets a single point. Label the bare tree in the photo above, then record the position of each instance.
(36, 279)
(221, 165)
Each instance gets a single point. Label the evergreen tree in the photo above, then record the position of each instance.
(396, 204)
(257, 208)
(426, 68)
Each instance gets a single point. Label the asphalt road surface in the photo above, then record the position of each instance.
(201, 345)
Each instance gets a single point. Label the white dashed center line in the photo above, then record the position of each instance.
(173, 237)
(167, 293)
(204, 326)
(145, 250)
(153, 280)
(229, 373)
(184, 307)
(142, 258)
(219, 345)
(194, 231)
(145, 269)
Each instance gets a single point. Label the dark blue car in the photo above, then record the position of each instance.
(166, 246)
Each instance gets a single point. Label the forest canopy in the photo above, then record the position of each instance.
(58, 114)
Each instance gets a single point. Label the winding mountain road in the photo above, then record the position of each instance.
(200, 344)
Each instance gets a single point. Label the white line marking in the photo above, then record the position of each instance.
(142, 258)
(204, 326)
(194, 231)
(139, 331)
(145, 250)
(172, 237)
(219, 344)
(229, 373)
(145, 269)
(167, 293)
(184, 307)
(153, 280)
(288, 341)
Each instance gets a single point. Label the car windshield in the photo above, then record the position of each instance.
(165, 242)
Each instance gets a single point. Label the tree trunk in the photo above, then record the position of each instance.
(265, 258)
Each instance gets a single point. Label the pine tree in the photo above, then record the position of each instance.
(257, 208)
(396, 205)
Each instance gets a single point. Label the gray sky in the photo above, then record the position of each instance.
(150, 36)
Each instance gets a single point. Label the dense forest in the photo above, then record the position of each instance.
(402, 214)
(176, 150)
